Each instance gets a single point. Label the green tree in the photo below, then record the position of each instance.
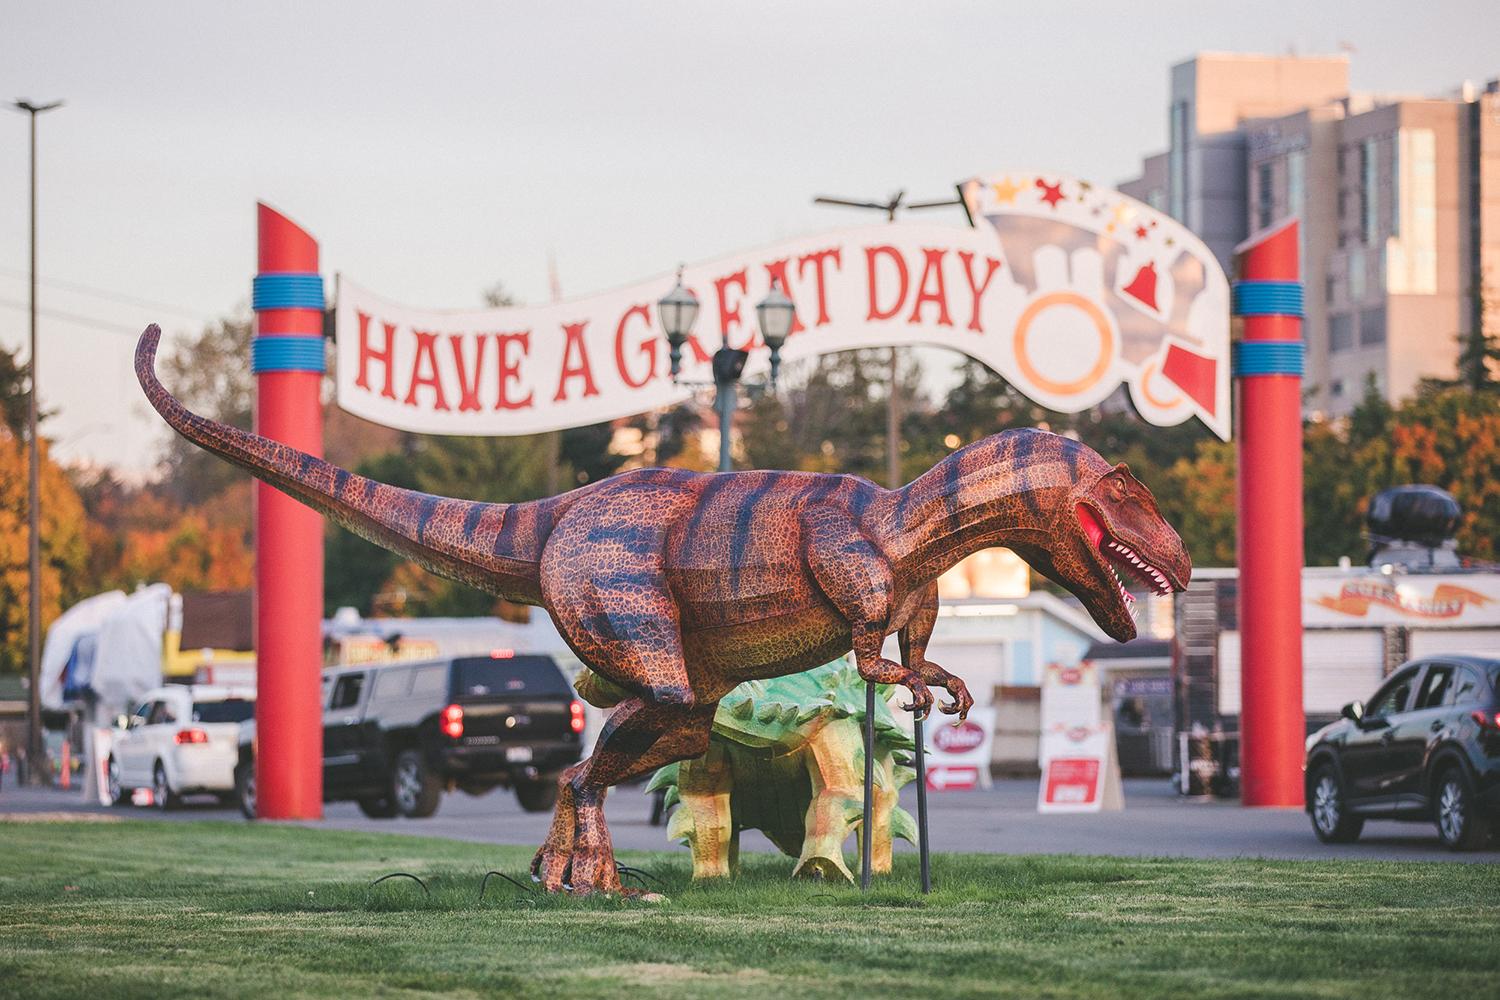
(211, 376)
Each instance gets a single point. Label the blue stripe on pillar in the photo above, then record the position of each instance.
(1266, 357)
(287, 353)
(1267, 298)
(287, 290)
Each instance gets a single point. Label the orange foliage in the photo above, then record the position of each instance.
(64, 549)
(191, 555)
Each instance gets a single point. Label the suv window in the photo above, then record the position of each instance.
(523, 676)
(430, 681)
(1393, 697)
(391, 684)
(1435, 686)
(228, 710)
(346, 691)
(160, 713)
(1465, 689)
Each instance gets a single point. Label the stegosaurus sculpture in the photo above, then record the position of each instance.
(786, 757)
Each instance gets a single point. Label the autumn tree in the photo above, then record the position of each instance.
(65, 556)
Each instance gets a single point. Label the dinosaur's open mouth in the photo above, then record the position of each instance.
(1119, 556)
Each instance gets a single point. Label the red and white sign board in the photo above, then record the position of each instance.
(1079, 770)
(958, 757)
(1066, 289)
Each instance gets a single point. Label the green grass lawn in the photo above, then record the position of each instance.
(150, 909)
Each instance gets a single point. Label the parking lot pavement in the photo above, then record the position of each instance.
(1002, 820)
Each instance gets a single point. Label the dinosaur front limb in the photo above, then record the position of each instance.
(913, 639)
(857, 580)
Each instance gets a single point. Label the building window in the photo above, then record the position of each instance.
(1411, 255)
(1340, 333)
(1368, 195)
(1327, 289)
(1372, 326)
(1177, 163)
(1337, 388)
(1356, 284)
(1263, 196)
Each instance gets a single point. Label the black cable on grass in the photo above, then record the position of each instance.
(822, 895)
(507, 878)
(402, 875)
(636, 873)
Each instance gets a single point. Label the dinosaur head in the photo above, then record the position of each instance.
(1112, 524)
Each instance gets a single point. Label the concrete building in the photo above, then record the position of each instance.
(1399, 199)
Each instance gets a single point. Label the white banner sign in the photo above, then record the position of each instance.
(1416, 601)
(959, 755)
(1064, 289)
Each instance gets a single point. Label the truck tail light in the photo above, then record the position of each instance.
(453, 721)
(1486, 719)
(577, 721)
(190, 736)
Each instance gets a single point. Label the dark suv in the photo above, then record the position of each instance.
(396, 735)
(1426, 748)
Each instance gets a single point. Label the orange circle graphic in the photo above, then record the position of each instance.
(1106, 343)
(1146, 389)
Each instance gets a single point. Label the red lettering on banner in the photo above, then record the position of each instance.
(933, 266)
(647, 347)
(386, 357)
(468, 391)
(511, 372)
(777, 272)
(727, 315)
(894, 254)
(426, 348)
(979, 290)
(816, 259)
(581, 370)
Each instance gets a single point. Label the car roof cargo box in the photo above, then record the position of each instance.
(1426, 515)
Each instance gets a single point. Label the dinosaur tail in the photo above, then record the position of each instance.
(494, 547)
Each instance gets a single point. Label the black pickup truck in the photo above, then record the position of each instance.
(397, 735)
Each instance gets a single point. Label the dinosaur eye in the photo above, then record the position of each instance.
(1115, 489)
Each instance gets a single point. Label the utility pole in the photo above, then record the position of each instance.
(36, 750)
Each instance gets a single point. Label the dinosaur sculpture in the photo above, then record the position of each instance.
(678, 585)
(787, 758)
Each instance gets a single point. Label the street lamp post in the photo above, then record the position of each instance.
(36, 751)
(775, 315)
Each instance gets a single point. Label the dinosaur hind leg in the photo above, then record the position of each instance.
(638, 739)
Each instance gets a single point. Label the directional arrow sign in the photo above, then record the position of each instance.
(948, 779)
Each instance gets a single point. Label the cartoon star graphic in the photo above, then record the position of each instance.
(1051, 193)
(1006, 192)
(1140, 232)
(1123, 213)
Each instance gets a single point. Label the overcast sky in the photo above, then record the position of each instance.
(435, 148)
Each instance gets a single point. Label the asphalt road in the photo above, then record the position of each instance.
(1003, 820)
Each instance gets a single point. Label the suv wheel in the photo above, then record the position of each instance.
(244, 788)
(118, 794)
(536, 794)
(1458, 823)
(1330, 818)
(377, 806)
(162, 795)
(414, 787)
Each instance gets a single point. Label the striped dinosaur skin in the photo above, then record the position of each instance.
(679, 585)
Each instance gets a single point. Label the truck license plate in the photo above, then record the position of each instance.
(518, 755)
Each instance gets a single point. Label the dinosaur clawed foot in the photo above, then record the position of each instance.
(577, 856)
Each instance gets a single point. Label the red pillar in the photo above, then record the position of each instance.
(1268, 378)
(287, 358)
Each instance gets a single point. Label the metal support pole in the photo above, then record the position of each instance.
(893, 429)
(724, 402)
(864, 829)
(921, 762)
(36, 745)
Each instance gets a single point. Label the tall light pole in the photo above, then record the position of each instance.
(36, 752)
